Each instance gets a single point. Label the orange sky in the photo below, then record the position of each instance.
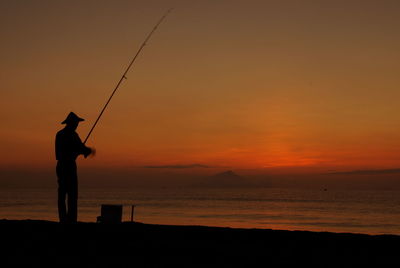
(241, 84)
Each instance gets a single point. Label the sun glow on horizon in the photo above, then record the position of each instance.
(258, 86)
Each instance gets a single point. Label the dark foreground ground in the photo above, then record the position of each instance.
(145, 245)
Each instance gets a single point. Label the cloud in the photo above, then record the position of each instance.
(369, 172)
(179, 166)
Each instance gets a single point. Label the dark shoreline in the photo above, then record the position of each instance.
(145, 245)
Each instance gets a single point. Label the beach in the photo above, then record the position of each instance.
(133, 244)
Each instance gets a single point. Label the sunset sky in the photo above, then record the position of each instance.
(238, 84)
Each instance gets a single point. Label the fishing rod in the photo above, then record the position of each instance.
(126, 71)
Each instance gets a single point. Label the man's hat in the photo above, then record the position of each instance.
(72, 117)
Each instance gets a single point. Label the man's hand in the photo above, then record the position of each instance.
(89, 151)
(92, 152)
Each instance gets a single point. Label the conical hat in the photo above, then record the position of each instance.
(72, 117)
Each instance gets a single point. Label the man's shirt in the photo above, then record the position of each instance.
(69, 145)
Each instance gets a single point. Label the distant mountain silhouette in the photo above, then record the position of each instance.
(368, 172)
(178, 166)
(225, 179)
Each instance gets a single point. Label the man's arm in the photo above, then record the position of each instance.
(82, 148)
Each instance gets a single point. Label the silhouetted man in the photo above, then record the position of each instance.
(68, 147)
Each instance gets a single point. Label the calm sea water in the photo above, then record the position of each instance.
(372, 212)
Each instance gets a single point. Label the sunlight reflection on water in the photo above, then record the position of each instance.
(374, 212)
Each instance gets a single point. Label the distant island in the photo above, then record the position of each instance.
(226, 179)
(368, 172)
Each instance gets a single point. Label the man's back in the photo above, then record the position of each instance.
(68, 145)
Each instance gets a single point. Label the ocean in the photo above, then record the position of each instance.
(362, 211)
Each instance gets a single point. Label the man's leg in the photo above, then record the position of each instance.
(62, 211)
(73, 202)
(73, 193)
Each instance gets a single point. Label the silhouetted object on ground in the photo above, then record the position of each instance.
(110, 214)
(132, 211)
(68, 147)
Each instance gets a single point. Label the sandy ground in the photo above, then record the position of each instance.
(144, 245)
